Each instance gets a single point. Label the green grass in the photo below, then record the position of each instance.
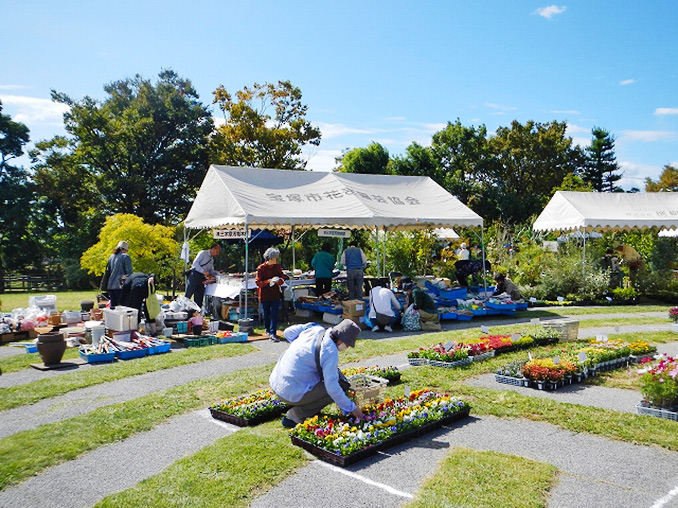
(594, 323)
(28, 452)
(611, 309)
(66, 300)
(231, 472)
(470, 478)
(30, 393)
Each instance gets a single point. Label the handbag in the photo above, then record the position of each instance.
(411, 321)
(344, 383)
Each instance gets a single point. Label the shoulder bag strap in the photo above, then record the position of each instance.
(318, 344)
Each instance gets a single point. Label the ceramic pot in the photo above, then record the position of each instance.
(51, 347)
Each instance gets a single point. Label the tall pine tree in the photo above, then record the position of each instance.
(601, 170)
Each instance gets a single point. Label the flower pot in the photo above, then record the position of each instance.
(540, 385)
(51, 347)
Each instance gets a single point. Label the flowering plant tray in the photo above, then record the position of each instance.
(344, 441)
(417, 361)
(515, 381)
(450, 365)
(250, 409)
(645, 408)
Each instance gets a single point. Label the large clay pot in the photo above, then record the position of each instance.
(51, 347)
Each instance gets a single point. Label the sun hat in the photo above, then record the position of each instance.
(123, 245)
(347, 332)
(463, 245)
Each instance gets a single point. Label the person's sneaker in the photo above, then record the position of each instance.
(388, 328)
(274, 338)
(287, 423)
(375, 328)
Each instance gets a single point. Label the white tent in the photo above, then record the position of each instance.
(602, 211)
(237, 197)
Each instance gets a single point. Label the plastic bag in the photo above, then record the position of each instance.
(181, 303)
(411, 321)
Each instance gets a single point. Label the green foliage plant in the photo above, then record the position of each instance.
(152, 248)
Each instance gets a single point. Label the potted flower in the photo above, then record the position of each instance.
(673, 315)
(659, 385)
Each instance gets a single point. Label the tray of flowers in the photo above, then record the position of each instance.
(548, 375)
(439, 356)
(641, 351)
(391, 374)
(345, 440)
(659, 387)
(512, 374)
(250, 409)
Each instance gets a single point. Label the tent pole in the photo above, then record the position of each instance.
(482, 248)
(583, 260)
(383, 255)
(247, 251)
(376, 244)
(294, 252)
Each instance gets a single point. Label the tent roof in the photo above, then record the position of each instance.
(273, 198)
(602, 211)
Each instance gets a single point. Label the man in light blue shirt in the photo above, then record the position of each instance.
(354, 260)
(295, 378)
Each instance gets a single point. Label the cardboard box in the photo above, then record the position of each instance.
(353, 308)
(359, 320)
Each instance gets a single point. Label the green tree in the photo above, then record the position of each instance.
(153, 248)
(668, 181)
(373, 160)
(461, 153)
(601, 163)
(526, 162)
(18, 245)
(417, 161)
(142, 150)
(265, 126)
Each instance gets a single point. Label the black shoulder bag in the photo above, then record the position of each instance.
(104, 279)
(343, 382)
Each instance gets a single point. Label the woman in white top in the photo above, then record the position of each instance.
(383, 301)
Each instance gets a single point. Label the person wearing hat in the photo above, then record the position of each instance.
(506, 285)
(202, 270)
(423, 304)
(306, 375)
(463, 254)
(119, 265)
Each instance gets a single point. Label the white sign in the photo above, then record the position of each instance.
(601, 338)
(534, 321)
(515, 337)
(449, 345)
(529, 355)
(407, 391)
(560, 298)
(335, 233)
(533, 299)
(484, 329)
(616, 328)
(608, 298)
(582, 356)
(230, 234)
(556, 360)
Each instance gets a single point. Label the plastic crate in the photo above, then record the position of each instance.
(193, 342)
(132, 353)
(447, 316)
(162, 348)
(479, 312)
(31, 348)
(234, 337)
(508, 380)
(182, 327)
(501, 306)
(97, 357)
(464, 317)
(121, 318)
(644, 408)
(453, 294)
(368, 389)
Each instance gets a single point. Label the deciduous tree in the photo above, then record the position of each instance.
(264, 126)
(668, 181)
(372, 160)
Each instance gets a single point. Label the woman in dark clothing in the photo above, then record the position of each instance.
(269, 279)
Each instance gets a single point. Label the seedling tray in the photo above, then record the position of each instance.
(245, 422)
(132, 353)
(346, 460)
(234, 337)
(97, 357)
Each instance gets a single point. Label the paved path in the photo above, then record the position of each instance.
(609, 473)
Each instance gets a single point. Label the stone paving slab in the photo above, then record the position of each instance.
(594, 471)
(119, 466)
(87, 399)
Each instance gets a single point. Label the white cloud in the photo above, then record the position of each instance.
(333, 130)
(12, 87)
(666, 111)
(33, 110)
(635, 174)
(565, 112)
(395, 119)
(500, 107)
(550, 11)
(648, 136)
(627, 82)
(574, 129)
(322, 160)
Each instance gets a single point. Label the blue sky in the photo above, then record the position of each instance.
(387, 71)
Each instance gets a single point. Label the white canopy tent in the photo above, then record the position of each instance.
(245, 197)
(604, 211)
(608, 211)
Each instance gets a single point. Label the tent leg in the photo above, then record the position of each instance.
(294, 252)
(247, 251)
(482, 249)
(583, 259)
